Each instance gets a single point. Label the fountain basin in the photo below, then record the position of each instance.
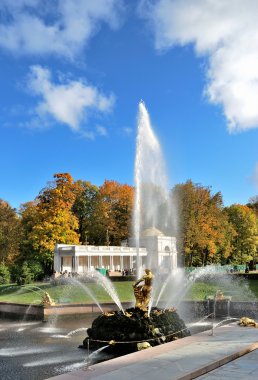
(19, 311)
(189, 309)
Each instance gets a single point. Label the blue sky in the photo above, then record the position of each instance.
(73, 72)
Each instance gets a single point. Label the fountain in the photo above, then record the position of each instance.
(137, 328)
(144, 326)
(153, 211)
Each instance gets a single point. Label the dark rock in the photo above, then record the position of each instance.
(125, 331)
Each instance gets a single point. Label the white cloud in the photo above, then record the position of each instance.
(128, 131)
(68, 102)
(226, 32)
(102, 131)
(61, 27)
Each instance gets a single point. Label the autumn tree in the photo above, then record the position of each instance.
(253, 204)
(245, 241)
(52, 221)
(9, 233)
(203, 227)
(113, 213)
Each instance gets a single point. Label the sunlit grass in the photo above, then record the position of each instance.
(64, 293)
(75, 294)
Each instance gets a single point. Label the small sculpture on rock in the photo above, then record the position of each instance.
(142, 292)
(47, 300)
(219, 295)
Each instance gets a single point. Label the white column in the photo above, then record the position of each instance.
(131, 261)
(57, 262)
(121, 262)
(76, 259)
(140, 269)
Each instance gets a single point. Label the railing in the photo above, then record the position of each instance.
(92, 248)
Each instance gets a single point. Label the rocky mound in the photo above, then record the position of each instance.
(125, 333)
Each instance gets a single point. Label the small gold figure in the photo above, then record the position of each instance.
(47, 300)
(219, 295)
(247, 322)
(143, 346)
(109, 313)
(142, 292)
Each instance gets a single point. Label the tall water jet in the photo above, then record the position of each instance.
(130, 330)
(152, 208)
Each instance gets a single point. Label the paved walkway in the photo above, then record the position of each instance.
(189, 358)
(245, 368)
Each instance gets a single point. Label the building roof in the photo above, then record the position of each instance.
(153, 231)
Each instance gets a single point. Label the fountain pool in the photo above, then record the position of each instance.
(36, 350)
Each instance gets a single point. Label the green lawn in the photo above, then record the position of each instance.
(240, 291)
(64, 293)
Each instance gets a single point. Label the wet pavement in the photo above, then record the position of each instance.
(36, 350)
(245, 368)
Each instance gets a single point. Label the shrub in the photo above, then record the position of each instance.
(4, 274)
(25, 275)
(36, 270)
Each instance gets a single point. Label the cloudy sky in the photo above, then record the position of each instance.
(73, 72)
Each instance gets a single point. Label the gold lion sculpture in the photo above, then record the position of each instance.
(142, 292)
(247, 322)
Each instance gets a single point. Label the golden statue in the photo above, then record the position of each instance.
(47, 300)
(142, 292)
(247, 322)
(219, 295)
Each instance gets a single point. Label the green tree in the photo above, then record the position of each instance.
(245, 241)
(9, 233)
(25, 275)
(84, 207)
(29, 218)
(4, 274)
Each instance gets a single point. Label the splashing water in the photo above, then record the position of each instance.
(108, 287)
(151, 205)
(206, 280)
(87, 290)
(71, 333)
(94, 354)
(77, 330)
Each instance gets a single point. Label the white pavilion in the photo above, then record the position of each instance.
(156, 250)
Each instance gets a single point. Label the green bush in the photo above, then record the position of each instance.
(15, 271)
(25, 275)
(26, 272)
(36, 269)
(4, 274)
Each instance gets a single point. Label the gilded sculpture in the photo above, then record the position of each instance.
(47, 300)
(142, 290)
